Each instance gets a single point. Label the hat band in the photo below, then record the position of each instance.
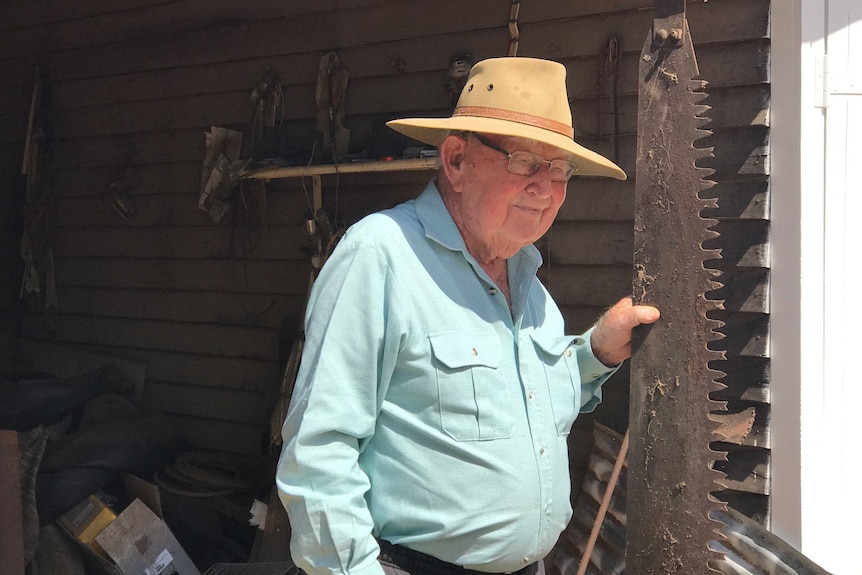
(519, 117)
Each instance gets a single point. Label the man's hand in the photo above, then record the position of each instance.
(612, 338)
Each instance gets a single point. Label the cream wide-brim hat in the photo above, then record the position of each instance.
(513, 96)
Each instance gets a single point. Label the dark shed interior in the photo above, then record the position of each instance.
(123, 267)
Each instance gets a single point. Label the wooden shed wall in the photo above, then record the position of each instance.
(135, 85)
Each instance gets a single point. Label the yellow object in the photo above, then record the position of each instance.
(86, 520)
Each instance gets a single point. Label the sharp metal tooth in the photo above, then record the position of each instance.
(705, 173)
(700, 111)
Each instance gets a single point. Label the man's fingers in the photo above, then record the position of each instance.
(624, 315)
(646, 313)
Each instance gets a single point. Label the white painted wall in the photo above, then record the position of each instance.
(816, 237)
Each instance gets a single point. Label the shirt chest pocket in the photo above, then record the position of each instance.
(559, 360)
(475, 401)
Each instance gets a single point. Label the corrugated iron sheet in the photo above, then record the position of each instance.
(749, 548)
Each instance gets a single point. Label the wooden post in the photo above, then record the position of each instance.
(11, 522)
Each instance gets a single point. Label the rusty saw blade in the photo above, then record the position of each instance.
(671, 476)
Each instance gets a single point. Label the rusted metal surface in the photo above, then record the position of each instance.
(748, 548)
(671, 475)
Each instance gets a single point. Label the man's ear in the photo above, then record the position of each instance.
(452, 152)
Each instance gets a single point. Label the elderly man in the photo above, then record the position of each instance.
(427, 429)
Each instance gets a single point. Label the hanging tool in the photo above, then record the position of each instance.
(671, 517)
(331, 98)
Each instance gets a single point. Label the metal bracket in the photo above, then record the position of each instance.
(669, 24)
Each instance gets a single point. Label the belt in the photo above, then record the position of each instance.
(417, 563)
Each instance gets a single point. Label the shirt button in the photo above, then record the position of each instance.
(541, 451)
(492, 291)
(569, 352)
(526, 560)
(595, 376)
(475, 351)
(531, 394)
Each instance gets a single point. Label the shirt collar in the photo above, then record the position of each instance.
(440, 227)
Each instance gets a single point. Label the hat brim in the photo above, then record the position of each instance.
(433, 131)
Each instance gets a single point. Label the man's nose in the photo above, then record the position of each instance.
(541, 181)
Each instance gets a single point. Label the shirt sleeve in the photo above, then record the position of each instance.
(336, 398)
(593, 374)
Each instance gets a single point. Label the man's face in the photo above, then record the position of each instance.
(501, 212)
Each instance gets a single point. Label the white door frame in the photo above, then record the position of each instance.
(813, 332)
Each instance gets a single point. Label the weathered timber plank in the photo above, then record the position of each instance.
(173, 209)
(747, 334)
(179, 146)
(302, 33)
(217, 308)
(740, 151)
(588, 243)
(750, 20)
(732, 107)
(745, 198)
(106, 24)
(39, 12)
(44, 12)
(204, 339)
(740, 63)
(231, 405)
(147, 148)
(579, 318)
(15, 100)
(743, 243)
(262, 376)
(747, 379)
(312, 33)
(183, 178)
(277, 243)
(599, 199)
(747, 470)
(97, 25)
(281, 207)
(586, 285)
(288, 277)
(223, 436)
(745, 290)
(752, 505)
(744, 62)
(196, 112)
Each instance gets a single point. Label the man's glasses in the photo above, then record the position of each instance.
(524, 163)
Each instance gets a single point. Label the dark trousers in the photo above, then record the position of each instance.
(398, 560)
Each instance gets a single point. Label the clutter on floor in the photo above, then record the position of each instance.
(109, 489)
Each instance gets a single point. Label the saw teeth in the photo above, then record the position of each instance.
(701, 109)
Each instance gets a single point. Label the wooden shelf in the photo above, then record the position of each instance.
(345, 168)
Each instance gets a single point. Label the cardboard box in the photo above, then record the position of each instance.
(86, 520)
(140, 543)
(135, 542)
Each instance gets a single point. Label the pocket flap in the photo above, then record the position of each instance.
(458, 349)
(556, 346)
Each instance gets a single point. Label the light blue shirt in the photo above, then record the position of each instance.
(425, 412)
